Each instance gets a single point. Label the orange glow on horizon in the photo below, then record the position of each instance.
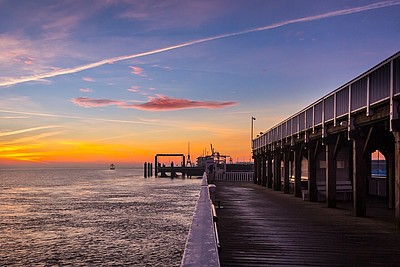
(53, 152)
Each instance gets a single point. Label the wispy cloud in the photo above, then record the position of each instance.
(134, 89)
(86, 90)
(75, 117)
(383, 4)
(157, 103)
(2, 134)
(24, 59)
(88, 79)
(29, 139)
(158, 14)
(87, 102)
(24, 156)
(21, 55)
(14, 117)
(137, 71)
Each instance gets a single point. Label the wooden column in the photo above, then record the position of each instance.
(259, 169)
(312, 173)
(297, 172)
(277, 170)
(391, 178)
(155, 166)
(255, 169)
(286, 160)
(360, 173)
(149, 169)
(264, 170)
(397, 178)
(330, 175)
(269, 171)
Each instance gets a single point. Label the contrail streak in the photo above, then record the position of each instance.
(208, 39)
(74, 117)
(26, 130)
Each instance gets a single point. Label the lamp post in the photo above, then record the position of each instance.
(252, 130)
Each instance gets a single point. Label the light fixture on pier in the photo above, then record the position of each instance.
(252, 130)
(252, 126)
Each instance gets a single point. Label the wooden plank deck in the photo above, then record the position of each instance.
(261, 227)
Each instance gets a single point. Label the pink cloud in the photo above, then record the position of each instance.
(137, 71)
(157, 103)
(90, 102)
(134, 89)
(86, 90)
(24, 59)
(87, 79)
(168, 103)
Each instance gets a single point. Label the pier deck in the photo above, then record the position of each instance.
(261, 227)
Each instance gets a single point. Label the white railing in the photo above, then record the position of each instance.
(235, 177)
(202, 243)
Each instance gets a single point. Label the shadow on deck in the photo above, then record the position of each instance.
(261, 227)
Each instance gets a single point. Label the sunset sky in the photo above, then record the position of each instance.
(117, 81)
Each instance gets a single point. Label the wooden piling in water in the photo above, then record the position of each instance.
(149, 169)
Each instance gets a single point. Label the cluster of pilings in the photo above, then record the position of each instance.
(148, 169)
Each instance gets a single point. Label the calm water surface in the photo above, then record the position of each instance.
(93, 218)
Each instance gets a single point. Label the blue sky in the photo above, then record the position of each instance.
(118, 81)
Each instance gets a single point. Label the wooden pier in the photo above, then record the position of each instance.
(331, 143)
(184, 171)
(262, 227)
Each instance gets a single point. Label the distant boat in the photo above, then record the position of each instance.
(112, 167)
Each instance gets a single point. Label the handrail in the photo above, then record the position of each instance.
(240, 176)
(202, 243)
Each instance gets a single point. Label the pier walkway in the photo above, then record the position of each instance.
(261, 227)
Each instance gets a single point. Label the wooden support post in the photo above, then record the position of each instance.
(360, 172)
(297, 172)
(155, 166)
(269, 171)
(145, 170)
(391, 178)
(255, 170)
(259, 170)
(286, 158)
(264, 171)
(148, 169)
(277, 171)
(312, 174)
(397, 178)
(330, 175)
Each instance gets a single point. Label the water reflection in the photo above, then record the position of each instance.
(88, 217)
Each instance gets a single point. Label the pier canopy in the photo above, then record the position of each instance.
(379, 86)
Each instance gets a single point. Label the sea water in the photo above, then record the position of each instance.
(82, 217)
